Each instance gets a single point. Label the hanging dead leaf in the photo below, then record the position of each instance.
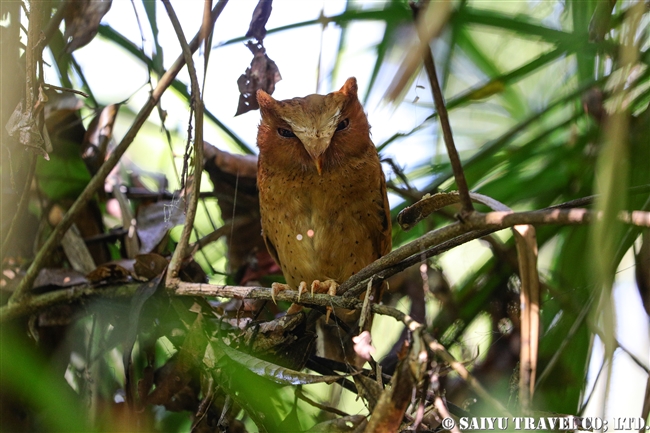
(59, 106)
(63, 123)
(257, 28)
(263, 73)
(643, 271)
(82, 18)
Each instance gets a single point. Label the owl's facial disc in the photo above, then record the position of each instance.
(313, 119)
(316, 135)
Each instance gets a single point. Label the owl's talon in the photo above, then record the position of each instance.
(332, 292)
(277, 288)
(315, 286)
(302, 288)
(327, 315)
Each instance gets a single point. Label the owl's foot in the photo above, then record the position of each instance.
(327, 286)
(279, 287)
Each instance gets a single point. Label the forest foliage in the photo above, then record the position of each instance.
(139, 300)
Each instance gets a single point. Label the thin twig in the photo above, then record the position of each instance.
(98, 180)
(462, 371)
(65, 89)
(442, 352)
(181, 248)
(441, 109)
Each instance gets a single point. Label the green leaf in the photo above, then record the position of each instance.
(62, 178)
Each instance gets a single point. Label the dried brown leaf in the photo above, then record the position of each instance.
(643, 271)
(63, 121)
(76, 251)
(82, 18)
(263, 73)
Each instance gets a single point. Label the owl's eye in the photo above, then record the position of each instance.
(286, 133)
(344, 124)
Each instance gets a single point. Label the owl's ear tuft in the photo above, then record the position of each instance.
(350, 87)
(265, 100)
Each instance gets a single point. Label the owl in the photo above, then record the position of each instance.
(323, 203)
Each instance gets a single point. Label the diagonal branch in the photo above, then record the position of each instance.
(98, 180)
(181, 248)
(485, 222)
(448, 137)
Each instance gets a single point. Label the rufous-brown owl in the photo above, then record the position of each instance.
(325, 214)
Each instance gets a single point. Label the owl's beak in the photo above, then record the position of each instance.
(319, 165)
(316, 149)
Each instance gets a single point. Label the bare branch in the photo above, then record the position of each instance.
(181, 248)
(486, 223)
(439, 101)
(65, 89)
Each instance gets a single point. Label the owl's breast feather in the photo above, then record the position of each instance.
(323, 227)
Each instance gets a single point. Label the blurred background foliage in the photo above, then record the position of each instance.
(534, 91)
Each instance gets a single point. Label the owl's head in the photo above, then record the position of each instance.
(315, 132)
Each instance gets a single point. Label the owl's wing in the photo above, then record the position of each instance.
(271, 248)
(386, 237)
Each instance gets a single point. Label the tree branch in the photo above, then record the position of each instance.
(448, 137)
(477, 221)
(181, 248)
